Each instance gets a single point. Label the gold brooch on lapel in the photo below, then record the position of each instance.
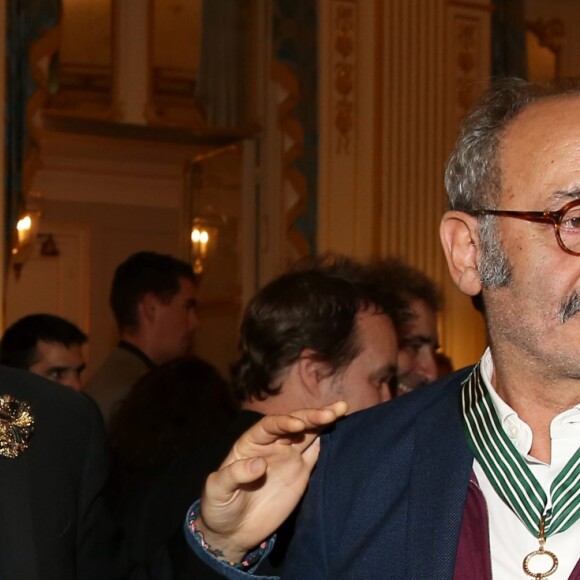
(16, 426)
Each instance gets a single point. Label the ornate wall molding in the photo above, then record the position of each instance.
(549, 32)
(295, 71)
(345, 16)
(350, 126)
(295, 185)
(467, 43)
(468, 62)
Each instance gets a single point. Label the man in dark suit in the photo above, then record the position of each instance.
(54, 524)
(477, 476)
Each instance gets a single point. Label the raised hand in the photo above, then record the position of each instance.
(262, 479)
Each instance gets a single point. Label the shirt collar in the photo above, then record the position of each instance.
(138, 352)
(517, 430)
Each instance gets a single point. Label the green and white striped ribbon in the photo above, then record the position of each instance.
(507, 470)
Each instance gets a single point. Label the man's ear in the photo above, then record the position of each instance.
(460, 240)
(147, 307)
(313, 373)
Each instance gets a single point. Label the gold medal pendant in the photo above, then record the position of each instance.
(540, 553)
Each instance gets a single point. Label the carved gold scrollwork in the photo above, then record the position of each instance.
(466, 43)
(344, 72)
(548, 32)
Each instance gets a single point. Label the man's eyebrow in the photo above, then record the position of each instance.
(567, 194)
(422, 338)
(386, 371)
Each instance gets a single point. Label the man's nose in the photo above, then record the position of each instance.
(428, 366)
(193, 321)
(73, 381)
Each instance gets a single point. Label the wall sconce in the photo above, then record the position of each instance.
(204, 236)
(26, 232)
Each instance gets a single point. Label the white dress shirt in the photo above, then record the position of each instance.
(510, 540)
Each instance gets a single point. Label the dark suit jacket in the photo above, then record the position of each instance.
(155, 513)
(386, 498)
(53, 522)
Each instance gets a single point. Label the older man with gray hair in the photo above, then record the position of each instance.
(477, 476)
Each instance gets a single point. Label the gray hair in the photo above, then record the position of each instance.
(473, 177)
(473, 174)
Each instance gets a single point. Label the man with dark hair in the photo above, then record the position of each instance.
(418, 342)
(312, 336)
(46, 345)
(302, 333)
(478, 475)
(153, 301)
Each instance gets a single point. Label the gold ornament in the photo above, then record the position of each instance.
(16, 426)
(541, 552)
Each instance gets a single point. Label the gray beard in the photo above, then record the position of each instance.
(569, 307)
(494, 267)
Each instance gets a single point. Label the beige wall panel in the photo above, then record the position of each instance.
(468, 65)
(414, 149)
(397, 76)
(436, 60)
(55, 284)
(347, 133)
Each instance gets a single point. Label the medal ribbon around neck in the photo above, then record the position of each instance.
(508, 472)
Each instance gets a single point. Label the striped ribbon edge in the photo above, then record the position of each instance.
(508, 472)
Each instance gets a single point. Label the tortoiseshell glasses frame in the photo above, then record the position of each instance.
(566, 222)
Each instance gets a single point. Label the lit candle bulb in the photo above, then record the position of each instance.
(23, 227)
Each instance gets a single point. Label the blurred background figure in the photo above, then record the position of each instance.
(153, 298)
(418, 339)
(46, 345)
(178, 407)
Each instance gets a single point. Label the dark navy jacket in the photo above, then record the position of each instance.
(387, 496)
(393, 498)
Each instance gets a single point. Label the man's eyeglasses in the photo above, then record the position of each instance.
(566, 222)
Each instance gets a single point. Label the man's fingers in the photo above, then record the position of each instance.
(321, 417)
(274, 427)
(284, 429)
(225, 482)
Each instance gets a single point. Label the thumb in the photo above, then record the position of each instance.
(222, 484)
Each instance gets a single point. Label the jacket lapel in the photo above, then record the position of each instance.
(442, 465)
(18, 558)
